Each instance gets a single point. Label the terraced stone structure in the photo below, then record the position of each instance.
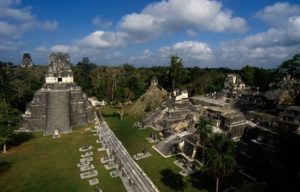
(60, 103)
(172, 111)
(26, 61)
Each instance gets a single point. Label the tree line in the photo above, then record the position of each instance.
(17, 85)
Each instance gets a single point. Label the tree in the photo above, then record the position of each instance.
(291, 67)
(203, 83)
(204, 129)
(176, 70)
(247, 74)
(218, 156)
(121, 98)
(9, 118)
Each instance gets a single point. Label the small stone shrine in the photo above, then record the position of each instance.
(26, 61)
(60, 103)
(154, 80)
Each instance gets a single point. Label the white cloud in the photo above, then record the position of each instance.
(174, 15)
(42, 49)
(267, 49)
(192, 52)
(49, 26)
(278, 14)
(99, 22)
(6, 11)
(103, 39)
(188, 50)
(8, 31)
(15, 21)
(113, 55)
(146, 52)
(11, 46)
(64, 49)
(191, 33)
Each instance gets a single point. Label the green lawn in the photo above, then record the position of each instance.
(47, 164)
(37, 163)
(163, 172)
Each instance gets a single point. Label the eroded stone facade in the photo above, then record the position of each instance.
(26, 61)
(60, 103)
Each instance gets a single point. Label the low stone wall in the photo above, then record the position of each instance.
(261, 118)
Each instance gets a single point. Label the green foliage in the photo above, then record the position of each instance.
(159, 86)
(120, 94)
(204, 129)
(176, 70)
(247, 74)
(9, 118)
(213, 88)
(219, 150)
(291, 67)
(149, 107)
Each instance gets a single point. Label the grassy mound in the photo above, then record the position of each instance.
(148, 101)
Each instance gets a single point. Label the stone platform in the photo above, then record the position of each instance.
(141, 156)
(94, 181)
(82, 164)
(86, 159)
(80, 149)
(88, 174)
(87, 168)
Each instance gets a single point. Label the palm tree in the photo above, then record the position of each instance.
(218, 155)
(204, 130)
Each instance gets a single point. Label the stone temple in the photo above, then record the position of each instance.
(60, 103)
(85, 60)
(26, 61)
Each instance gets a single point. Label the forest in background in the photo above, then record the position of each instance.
(17, 85)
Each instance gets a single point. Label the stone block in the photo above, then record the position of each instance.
(86, 159)
(87, 168)
(93, 181)
(88, 174)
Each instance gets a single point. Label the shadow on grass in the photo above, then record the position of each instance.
(4, 166)
(173, 180)
(112, 115)
(201, 182)
(18, 139)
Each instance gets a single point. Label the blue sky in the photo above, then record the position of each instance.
(224, 33)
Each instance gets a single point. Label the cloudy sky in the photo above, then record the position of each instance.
(223, 33)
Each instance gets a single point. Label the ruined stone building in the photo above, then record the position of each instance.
(258, 152)
(60, 103)
(26, 61)
(85, 60)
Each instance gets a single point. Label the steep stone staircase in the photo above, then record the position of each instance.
(163, 148)
(58, 112)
